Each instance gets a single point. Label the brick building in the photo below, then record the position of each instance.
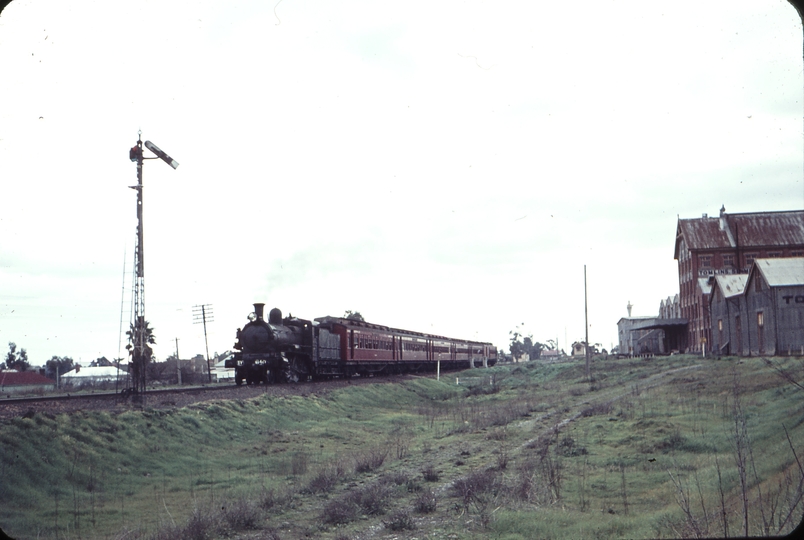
(727, 244)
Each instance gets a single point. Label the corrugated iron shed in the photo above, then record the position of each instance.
(731, 284)
(781, 272)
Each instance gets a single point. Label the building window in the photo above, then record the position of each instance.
(774, 254)
(749, 259)
(705, 261)
(761, 332)
(728, 260)
(797, 253)
(758, 284)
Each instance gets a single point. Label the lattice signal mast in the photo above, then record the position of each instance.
(140, 335)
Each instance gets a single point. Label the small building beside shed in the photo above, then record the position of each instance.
(725, 305)
(15, 382)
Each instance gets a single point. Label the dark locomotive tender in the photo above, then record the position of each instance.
(293, 349)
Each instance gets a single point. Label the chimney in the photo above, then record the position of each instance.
(723, 218)
(258, 310)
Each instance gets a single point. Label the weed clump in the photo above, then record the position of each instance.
(400, 521)
(371, 500)
(325, 479)
(597, 409)
(371, 460)
(426, 502)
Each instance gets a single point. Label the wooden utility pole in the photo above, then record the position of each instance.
(586, 324)
(178, 367)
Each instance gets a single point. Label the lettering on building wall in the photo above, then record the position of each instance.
(790, 299)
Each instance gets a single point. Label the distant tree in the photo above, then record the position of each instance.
(58, 364)
(17, 360)
(100, 362)
(521, 346)
(353, 315)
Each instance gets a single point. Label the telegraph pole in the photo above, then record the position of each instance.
(586, 325)
(202, 314)
(138, 346)
(178, 367)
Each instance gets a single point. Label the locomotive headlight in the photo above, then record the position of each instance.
(252, 316)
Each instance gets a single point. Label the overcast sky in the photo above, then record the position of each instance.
(446, 167)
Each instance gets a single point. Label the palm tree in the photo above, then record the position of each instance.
(140, 339)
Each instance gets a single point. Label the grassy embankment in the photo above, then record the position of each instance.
(649, 449)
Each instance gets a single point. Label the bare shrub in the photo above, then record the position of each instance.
(270, 498)
(549, 467)
(201, 526)
(400, 521)
(372, 499)
(325, 479)
(268, 534)
(568, 448)
(498, 434)
(298, 463)
(397, 478)
(597, 409)
(370, 460)
(241, 513)
(479, 490)
(430, 474)
(426, 502)
(413, 486)
(399, 441)
(339, 511)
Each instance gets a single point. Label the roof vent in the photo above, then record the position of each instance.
(705, 216)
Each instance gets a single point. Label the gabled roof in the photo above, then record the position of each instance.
(746, 231)
(729, 284)
(780, 272)
(94, 372)
(19, 378)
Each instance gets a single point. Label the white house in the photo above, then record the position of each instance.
(93, 374)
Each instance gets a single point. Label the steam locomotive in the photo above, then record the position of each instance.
(292, 350)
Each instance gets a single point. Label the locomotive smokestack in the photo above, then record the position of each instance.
(258, 310)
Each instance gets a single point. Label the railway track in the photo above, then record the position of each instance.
(106, 395)
(167, 398)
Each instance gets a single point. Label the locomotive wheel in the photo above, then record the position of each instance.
(296, 371)
(238, 379)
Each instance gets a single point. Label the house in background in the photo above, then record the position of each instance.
(97, 374)
(15, 382)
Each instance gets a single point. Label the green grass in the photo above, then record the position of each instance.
(321, 465)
